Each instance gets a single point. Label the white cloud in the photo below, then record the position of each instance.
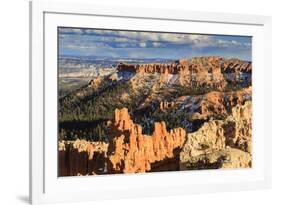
(156, 44)
(91, 38)
(86, 45)
(232, 43)
(139, 36)
(142, 44)
(165, 37)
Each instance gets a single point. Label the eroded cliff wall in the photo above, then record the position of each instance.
(131, 151)
(199, 71)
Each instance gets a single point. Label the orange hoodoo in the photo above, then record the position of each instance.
(132, 151)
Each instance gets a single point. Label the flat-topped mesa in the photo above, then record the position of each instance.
(209, 71)
(131, 151)
(169, 68)
(196, 64)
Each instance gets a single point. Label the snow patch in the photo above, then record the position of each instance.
(172, 78)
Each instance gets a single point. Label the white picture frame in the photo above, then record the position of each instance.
(46, 187)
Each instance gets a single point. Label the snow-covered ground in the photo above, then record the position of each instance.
(173, 78)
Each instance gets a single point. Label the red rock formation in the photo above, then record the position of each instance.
(198, 71)
(131, 151)
(81, 157)
(122, 119)
(219, 103)
(206, 71)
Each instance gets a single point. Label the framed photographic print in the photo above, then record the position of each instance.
(129, 102)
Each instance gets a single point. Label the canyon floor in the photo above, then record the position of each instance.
(189, 114)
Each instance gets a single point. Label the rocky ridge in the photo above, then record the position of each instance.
(198, 71)
(220, 143)
(210, 104)
(196, 64)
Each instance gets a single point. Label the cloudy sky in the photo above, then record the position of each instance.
(130, 44)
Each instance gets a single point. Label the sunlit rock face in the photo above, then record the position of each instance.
(215, 72)
(131, 151)
(220, 143)
(238, 128)
(219, 103)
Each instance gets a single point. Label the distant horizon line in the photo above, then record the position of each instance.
(154, 57)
